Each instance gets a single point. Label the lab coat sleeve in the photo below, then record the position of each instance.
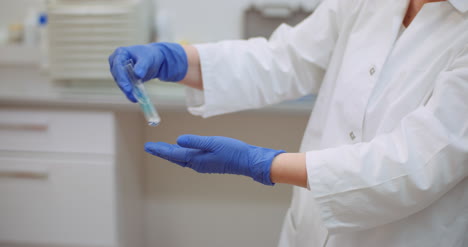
(246, 74)
(397, 174)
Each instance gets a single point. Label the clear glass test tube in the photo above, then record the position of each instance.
(151, 115)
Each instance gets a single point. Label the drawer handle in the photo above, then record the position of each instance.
(24, 173)
(24, 126)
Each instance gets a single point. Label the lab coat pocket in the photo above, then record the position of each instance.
(395, 99)
(288, 232)
(411, 87)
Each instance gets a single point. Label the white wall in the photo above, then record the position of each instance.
(14, 11)
(185, 208)
(213, 20)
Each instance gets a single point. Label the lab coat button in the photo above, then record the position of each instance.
(352, 136)
(372, 71)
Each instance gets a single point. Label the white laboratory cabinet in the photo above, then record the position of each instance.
(70, 178)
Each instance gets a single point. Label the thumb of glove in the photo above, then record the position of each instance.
(141, 68)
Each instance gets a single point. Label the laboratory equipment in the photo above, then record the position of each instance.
(82, 34)
(139, 92)
(31, 31)
(262, 20)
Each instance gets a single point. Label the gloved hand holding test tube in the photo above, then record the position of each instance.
(132, 66)
(139, 92)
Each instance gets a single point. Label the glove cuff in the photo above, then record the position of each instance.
(261, 171)
(175, 64)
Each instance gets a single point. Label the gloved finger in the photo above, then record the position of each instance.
(117, 63)
(121, 77)
(111, 59)
(176, 154)
(142, 66)
(171, 152)
(152, 149)
(206, 143)
(118, 56)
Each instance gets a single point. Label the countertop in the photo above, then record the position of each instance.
(24, 82)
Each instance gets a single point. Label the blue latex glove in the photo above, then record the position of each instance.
(165, 61)
(216, 154)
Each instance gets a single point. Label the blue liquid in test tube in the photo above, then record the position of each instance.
(151, 115)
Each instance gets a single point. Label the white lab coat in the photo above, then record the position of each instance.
(387, 141)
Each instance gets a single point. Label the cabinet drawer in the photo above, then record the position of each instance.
(56, 131)
(67, 203)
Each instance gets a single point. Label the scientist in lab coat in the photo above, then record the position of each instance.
(384, 159)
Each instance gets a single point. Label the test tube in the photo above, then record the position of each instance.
(151, 115)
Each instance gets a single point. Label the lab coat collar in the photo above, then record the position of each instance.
(460, 5)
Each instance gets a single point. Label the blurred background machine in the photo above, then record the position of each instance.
(82, 34)
(262, 20)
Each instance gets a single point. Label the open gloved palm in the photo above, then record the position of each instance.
(217, 154)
